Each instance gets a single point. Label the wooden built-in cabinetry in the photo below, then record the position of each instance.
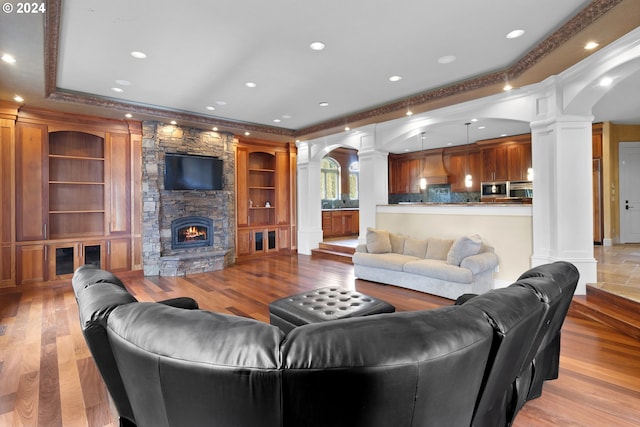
(73, 195)
(340, 222)
(265, 198)
(502, 159)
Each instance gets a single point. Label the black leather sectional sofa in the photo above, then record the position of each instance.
(473, 363)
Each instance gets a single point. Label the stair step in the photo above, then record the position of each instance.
(327, 246)
(620, 313)
(334, 255)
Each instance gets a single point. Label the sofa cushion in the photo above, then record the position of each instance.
(389, 261)
(463, 247)
(415, 247)
(438, 248)
(397, 243)
(378, 241)
(439, 269)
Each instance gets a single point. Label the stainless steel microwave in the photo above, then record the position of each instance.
(521, 189)
(497, 189)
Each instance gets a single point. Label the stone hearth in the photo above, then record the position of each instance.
(161, 207)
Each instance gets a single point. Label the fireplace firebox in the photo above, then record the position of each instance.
(191, 232)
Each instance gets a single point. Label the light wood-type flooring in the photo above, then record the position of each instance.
(47, 376)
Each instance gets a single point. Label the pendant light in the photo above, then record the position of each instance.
(468, 179)
(423, 180)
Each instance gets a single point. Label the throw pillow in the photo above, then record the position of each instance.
(397, 243)
(438, 248)
(415, 247)
(463, 247)
(378, 241)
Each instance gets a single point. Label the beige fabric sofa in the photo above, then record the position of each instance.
(443, 267)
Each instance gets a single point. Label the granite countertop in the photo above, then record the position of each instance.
(340, 209)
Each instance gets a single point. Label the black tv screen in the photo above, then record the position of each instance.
(191, 172)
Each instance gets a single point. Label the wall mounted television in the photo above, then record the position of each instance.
(192, 172)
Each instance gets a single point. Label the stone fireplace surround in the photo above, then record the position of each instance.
(161, 207)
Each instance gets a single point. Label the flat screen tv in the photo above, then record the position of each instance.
(192, 172)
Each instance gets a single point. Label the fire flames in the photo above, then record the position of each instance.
(193, 233)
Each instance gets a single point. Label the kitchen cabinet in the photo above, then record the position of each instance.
(458, 165)
(340, 222)
(519, 161)
(404, 174)
(258, 241)
(494, 163)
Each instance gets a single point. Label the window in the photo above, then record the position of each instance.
(354, 178)
(329, 179)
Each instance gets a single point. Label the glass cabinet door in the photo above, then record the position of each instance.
(65, 259)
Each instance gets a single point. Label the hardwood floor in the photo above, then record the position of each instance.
(47, 376)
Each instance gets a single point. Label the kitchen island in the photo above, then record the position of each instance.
(505, 226)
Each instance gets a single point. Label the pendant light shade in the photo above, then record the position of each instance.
(423, 180)
(468, 179)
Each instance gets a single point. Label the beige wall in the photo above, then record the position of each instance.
(507, 229)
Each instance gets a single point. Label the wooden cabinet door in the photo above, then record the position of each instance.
(494, 164)
(244, 242)
(242, 187)
(337, 223)
(326, 224)
(119, 181)
(282, 188)
(32, 178)
(456, 172)
(355, 224)
(519, 161)
(31, 263)
(119, 255)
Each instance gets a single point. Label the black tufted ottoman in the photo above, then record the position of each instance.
(322, 304)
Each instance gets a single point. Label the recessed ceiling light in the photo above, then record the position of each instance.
(117, 89)
(317, 46)
(123, 82)
(286, 116)
(250, 84)
(606, 81)
(474, 120)
(591, 45)
(507, 87)
(173, 122)
(128, 115)
(18, 98)
(481, 127)
(215, 128)
(247, 134)
(395, 78)
(138, 55)
(210, 108)
(221, 103)
(276, 120)
(324, 104)
(515, 34)
(347, 128)
(409, 113)
(9, 59)
(448, 59)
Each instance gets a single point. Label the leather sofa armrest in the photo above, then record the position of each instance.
(362, 248)
(181, 302)
(464, 298)
(481, 262)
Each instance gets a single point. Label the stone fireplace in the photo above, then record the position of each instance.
(186, 231)
(191, 232)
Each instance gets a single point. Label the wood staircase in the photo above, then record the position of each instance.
(618, 312)
(336, 252)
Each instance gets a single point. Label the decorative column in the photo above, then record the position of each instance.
(374, 182)
(309, 209)
(563, 198)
